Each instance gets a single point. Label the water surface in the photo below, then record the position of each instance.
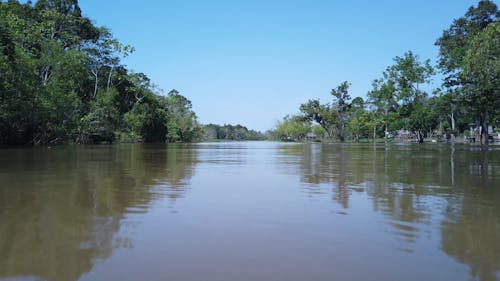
(250, 211)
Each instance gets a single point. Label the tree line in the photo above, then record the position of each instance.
(469, 96)
(230, 132)
(62, 80)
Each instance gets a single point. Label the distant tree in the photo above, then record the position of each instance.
(292, 128)
(322, 114)
(342, 106)
(398, 93)
(182, 124)
(383, 97)
(230, 132)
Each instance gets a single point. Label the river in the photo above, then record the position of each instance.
(250, 211)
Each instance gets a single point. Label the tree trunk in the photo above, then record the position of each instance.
(96, 83)
(341, 131)
(109, 77)
(386, 112)
(452, 117)
(484, 128)
(420, 137)
(45, 74)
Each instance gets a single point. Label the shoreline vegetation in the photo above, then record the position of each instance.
(465, 108)
(62, 81)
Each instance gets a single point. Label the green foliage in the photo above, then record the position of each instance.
(468, 57)
(322, 114)
(230, 132)
(182, 124)
(332, 118)
(293, 128)
(363, 122)
(455, 41)
(342, 106)
(101, 122)
(61, 80)
(481, 70)
(422, 117)
(406, 74)
(397, 94)
(318, 132)
(468, 53)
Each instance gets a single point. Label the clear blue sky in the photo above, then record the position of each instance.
(254, 61)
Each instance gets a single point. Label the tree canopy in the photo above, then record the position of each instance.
(61, 80)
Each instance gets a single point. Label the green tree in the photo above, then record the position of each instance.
(407, 74)
(383, 97)
(460, 49)
(146, 120)
(292, 128)
(322, 114)
(230, 132)
(342, 106)
(481, 76)
(100, 124)
(362, 123)
(182, 124)
(19, 107)
(455, 41)
(399, 92)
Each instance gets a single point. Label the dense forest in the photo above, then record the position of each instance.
(230, 132)
(62, 80)
(467, 104)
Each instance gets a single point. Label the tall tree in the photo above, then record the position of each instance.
(342, 105)
(383, 97)
(404, 79)
(455, 41)
(481, 76)
(457, 52)
(407, 74)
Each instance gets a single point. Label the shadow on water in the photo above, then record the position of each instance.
(62, 208)
(417, 188)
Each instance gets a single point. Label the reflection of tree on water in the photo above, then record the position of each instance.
(471, 229)
(55, 229)
(471, 234)
(319, 164)
(412, 186)
(173, 165)
(377, 170)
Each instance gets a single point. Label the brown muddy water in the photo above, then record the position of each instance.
(250, 211)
